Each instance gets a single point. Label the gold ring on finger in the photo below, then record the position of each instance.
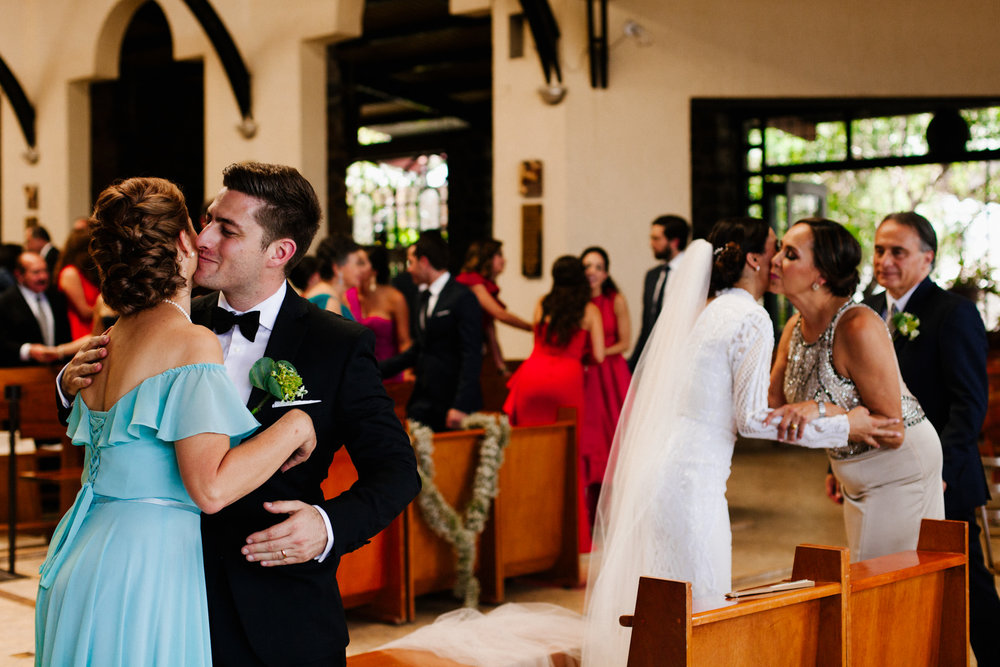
(283, 554)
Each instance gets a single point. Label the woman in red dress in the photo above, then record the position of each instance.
(605, 383)
(552, 377)
(77, 279)
(484, 261)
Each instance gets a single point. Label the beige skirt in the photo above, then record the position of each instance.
(888, 491)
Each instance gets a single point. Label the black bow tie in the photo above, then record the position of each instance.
(224, 320)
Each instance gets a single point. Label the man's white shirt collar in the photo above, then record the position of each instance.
(238, 352)
(676, 261)
(438, 285)
(901, 302)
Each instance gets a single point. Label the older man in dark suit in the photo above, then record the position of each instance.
(271, 558)
(944, 366)
(34, 314)
(446, 354)
(668, 237)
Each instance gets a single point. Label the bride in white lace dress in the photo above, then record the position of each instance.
(702, 378)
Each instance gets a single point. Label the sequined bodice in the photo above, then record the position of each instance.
(811, 376)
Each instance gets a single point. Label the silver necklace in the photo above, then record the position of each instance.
(180, 308)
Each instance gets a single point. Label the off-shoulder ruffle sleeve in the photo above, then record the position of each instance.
(176, 404)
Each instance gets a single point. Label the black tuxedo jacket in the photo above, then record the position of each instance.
(20, 325)
(945, 368)
(649, 311)
(293, 614)
(447, 358)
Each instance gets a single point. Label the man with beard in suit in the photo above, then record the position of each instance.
(271, 558)
(446, 355)
(34, 313)
(668, 238)
(944, 366)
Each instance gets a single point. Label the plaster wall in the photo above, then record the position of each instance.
(55, 48)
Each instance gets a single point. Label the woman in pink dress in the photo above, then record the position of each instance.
(605, 383)
(484, 261)
(77, 279)
(382, 308)
(552, 377)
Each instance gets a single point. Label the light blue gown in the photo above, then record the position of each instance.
(123, 582)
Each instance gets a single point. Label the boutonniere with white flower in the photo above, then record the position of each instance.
(906, 324)
(277, 378)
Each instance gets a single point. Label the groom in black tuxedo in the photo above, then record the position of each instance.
(945, 368)
(271, 558)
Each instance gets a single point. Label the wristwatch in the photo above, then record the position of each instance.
(822, 408)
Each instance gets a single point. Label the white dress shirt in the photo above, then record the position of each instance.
(37, 302)
(901, 302)
(435, 290)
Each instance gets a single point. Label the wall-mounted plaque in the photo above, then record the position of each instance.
(531, 178)
(531, 240)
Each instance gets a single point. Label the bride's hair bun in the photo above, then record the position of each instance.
(732, 239)
(134, 232)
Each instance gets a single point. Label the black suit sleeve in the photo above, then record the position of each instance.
(468, 397)
(379, 449)
(962, 352)
(400, 362)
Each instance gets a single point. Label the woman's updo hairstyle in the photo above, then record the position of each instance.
(134, 232)
(732, 239)
(836, 255)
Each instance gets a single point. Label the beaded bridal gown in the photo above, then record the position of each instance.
(703, 377)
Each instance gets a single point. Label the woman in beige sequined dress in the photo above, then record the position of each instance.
(835, 355)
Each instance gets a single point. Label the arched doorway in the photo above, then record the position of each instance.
(150, 121)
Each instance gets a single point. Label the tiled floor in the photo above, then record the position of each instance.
(776, 502)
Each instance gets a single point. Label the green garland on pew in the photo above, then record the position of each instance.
(462, 530)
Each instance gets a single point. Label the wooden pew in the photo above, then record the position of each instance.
(912, 608)
(909, 608)
(803, 627)
(532, 527)
(39, 420)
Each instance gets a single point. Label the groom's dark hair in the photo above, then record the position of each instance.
(291, 209)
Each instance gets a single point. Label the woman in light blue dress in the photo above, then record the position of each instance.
(123, 582)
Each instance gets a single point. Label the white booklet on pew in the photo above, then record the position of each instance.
(779, 587)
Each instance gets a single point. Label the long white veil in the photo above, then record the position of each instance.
(620, 554)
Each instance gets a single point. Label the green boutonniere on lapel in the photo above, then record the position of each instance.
(905, 324)
(278, 378)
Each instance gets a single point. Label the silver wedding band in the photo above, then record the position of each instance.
(283, 555)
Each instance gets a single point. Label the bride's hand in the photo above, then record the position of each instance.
(874, 430)
(794, 417)
(306, 435)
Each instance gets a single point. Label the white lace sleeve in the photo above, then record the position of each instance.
(750, 359)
